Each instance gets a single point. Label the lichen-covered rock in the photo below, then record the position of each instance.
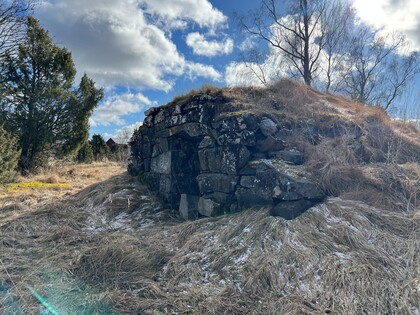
(275, 182)
(268, 127)
(205, 164)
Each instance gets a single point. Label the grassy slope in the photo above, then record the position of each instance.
(343, 256)
(102, 245)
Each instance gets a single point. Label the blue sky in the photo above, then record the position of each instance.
(145, 52)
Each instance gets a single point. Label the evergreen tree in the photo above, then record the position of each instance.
(9, 155)
(99, 147)
(39, 103)
(85, 153)
(85, 99)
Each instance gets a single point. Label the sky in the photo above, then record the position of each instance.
(146, 52)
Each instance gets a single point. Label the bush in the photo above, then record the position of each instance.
(85, 154)
(99, 148)
(9, 156)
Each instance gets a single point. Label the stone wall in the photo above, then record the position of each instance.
(205, 164)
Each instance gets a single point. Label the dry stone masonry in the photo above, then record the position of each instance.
(207, 164)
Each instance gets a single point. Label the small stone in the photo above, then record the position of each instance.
(268, 127)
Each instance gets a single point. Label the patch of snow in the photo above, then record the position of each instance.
(121, 222)
(244, 257)
(99, 221)
(304, 287)
(317, 276)
(291, 238)
(343, 257)
(145, 224)
(246, 230)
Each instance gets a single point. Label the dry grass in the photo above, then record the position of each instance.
(342, 257)
(50, 245)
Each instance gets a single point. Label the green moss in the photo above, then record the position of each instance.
(33, 186)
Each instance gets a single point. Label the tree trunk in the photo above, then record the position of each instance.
(307, 76)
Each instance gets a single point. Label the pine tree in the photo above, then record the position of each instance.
(9, 155)
(39, 102)
(85, 153)
(85, 99)
(99, 147)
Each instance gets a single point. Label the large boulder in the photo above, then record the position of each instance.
(275, 182)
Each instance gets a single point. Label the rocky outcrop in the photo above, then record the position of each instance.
(205, 163)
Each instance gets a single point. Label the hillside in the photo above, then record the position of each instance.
(95, 240)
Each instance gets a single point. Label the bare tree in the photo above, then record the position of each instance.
(296, 33)
(254, 61)
(258, 66)
(12, 23)
(323, 43)
(124, 135)
(337, 23)
(377, 69)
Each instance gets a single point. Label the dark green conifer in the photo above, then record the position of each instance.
(39, 102)
(9, 156)
(99, 148)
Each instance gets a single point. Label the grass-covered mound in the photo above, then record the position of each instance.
(103, 245)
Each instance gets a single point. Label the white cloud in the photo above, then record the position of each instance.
(203, 47)
(199, 70)
(114, 43)
(247, 44)
(115, 107)
(402, 16)
(240, 74)
(200, 11)
(257, 73)
(92, 122)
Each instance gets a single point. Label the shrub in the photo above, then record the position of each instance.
(9, 156)
(85, 154)
(99, 148)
